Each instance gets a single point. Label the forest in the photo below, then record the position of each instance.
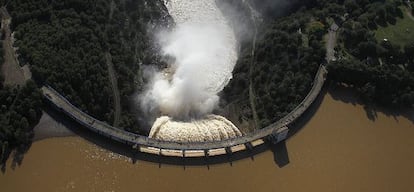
(20, 111)
(268, 84)
(381, 70)
(65, 43)
(132, 45)
(62, 41)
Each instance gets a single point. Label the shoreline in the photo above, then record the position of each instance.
(52, 126)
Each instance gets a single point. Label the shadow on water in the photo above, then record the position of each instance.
(343, 93)
(136, 156)
(280, 151)
(280, 154)
(17, 155)
(295, 127)
(349, 95)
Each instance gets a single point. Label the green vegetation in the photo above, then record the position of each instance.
(65, 42)
(131, 45)
(284, 68)
(62, 40)
(278, 77)
(401, 33)
(20, 111)
(289, 49)
(381, 71)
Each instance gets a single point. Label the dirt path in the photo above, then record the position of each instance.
(113, 79)
(331, 42)
(251, 90)
(12, 72)
(115, 89)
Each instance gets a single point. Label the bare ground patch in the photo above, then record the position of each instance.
(12, 72)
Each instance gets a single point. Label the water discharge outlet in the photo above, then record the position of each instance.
(204, 51)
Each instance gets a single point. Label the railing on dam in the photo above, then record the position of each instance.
(166, 148)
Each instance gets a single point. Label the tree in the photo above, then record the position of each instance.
(409, 50)
(20, 111)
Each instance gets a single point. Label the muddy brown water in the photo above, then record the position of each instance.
(339, 149)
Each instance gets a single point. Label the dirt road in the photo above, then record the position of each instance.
(331, 42)
(12, 72)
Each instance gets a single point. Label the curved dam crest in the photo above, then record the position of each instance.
(275, 132)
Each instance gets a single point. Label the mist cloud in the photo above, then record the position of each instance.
(202, 69)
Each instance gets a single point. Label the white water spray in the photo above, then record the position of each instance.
(204, 48)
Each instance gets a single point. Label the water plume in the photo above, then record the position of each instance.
(203, 55)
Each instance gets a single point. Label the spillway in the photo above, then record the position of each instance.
(207, 21)
(209, 128)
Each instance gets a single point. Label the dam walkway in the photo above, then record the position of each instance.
(276, 132)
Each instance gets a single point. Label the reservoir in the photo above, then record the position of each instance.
(340, 148)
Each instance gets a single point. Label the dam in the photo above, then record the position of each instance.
(276, 132)
(339, 149)
(173, 147)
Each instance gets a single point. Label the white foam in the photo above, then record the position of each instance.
(206, 13)
(210, 128)
(205, 48)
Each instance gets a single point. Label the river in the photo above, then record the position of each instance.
(339, 149)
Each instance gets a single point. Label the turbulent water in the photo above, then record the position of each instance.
(210, 128)
(206, 13)
(204, 48)
(204, 51)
